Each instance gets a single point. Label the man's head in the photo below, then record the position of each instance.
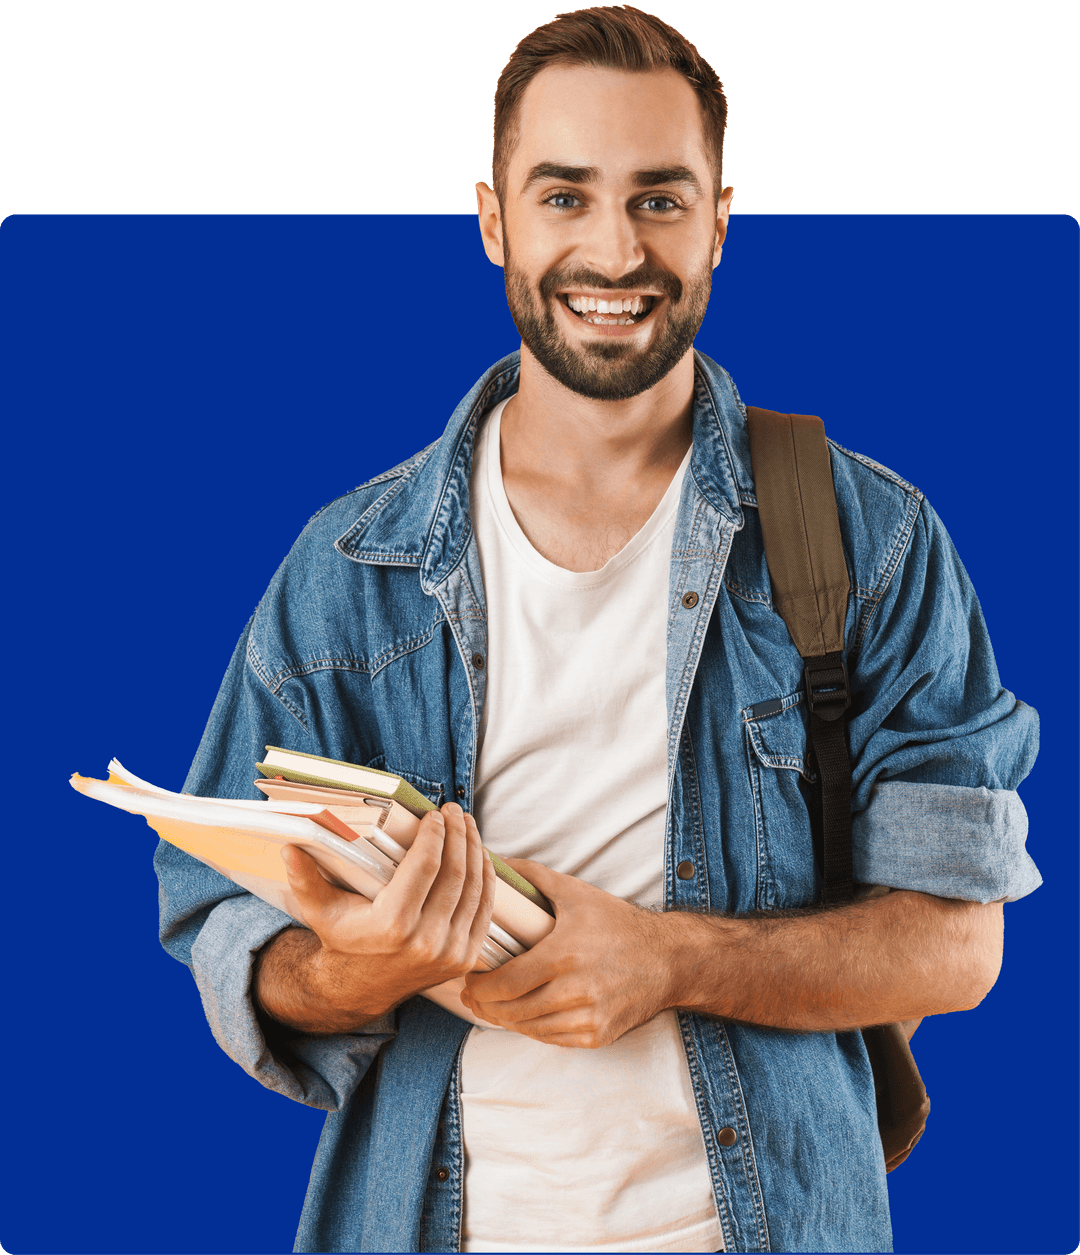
(607, 165)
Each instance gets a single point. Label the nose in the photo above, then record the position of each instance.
(611, 244)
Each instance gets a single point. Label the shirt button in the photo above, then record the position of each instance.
(727, 1137)
(690, 600)
(685, 870)
(478, 661)
(443, 1174)
(460, 790)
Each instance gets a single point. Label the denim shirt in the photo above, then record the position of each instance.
(370, 646)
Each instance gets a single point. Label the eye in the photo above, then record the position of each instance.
(562, 200)
(660, 204)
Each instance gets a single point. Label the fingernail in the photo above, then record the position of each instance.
(437, 816)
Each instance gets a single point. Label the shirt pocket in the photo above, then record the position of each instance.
(431, 789)
(782, 784)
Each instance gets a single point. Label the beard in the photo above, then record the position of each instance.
(607, 370)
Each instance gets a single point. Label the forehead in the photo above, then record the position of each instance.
(616, 120)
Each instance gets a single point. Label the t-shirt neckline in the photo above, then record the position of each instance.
(523, 547)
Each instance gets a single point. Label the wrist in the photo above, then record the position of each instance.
(693, 945)
(342, 985)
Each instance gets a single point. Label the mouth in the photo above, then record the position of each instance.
(607, 311)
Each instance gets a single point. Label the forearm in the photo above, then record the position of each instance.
(898, 957)
(297, 983)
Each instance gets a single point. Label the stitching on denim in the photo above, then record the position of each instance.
(762, 889)
(481, 405)
(360, 665)
(380, 558)
(744, 594)
(697, 833)
(403, 648)
(899, 549)
(789, 700)
(380, 503)
(716, 1166)
(779, 762)
(719, 563)
(402, 468)
(313, 665)
(784, 762)
(748, 1158)
(256, 664)
(883, 471)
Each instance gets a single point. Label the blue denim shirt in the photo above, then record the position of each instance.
(362, 649)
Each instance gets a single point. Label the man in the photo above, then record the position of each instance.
(559, 615)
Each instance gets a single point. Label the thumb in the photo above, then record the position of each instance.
(552, 884)
(313, 892)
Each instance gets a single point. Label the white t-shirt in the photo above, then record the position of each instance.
(578, 1150)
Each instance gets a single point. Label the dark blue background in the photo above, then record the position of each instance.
(183, 393)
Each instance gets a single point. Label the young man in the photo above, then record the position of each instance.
(559, 615)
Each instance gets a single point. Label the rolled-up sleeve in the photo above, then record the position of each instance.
(938, 746)
(957, 842)
(319, 1071)
(217, 929)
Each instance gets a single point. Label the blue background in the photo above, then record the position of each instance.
(183, 393)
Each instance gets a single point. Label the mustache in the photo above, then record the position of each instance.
(645, 276)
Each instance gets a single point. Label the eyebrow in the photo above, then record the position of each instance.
(552, 170)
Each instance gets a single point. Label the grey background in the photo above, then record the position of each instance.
(356, 107)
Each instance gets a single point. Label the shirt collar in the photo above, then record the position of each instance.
(422, 519)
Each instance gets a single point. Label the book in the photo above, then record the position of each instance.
(335, 774)
(516, 913)
(332, 773)
(242, 840)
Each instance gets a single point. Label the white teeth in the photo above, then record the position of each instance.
(623, 305)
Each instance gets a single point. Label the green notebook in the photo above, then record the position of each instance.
(331, 773)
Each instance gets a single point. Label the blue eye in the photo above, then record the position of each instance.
(563, 200)
(659, 204)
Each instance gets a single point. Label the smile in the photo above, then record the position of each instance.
(609, 312)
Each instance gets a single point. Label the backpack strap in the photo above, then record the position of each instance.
(797, 507)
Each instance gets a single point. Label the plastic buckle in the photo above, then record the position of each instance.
(828, 693)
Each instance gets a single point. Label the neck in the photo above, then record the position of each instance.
(575, 438)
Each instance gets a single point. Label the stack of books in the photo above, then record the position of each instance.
(356, 822)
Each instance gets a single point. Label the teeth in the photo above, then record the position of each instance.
(623, 305)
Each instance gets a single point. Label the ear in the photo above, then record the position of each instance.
(723, 208)
(491, 231)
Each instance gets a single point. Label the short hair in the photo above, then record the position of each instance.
(616, 37)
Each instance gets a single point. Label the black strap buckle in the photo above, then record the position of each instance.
(828, 693)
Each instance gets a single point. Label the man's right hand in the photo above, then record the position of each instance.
(359, 959)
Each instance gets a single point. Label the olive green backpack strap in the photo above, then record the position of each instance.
(810, 587)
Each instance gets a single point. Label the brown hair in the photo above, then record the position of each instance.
(615, 37)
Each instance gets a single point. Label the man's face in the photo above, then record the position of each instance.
(608, 202)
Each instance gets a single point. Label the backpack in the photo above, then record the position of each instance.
(809, 576)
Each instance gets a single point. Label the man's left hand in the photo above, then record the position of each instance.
(604, 969)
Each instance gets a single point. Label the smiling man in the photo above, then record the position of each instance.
(560, 615)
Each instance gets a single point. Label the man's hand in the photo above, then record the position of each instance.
(360, 958)
(608, 966)
(604, 969)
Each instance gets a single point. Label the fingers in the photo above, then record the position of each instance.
(477, 865)
(411, 885)
(446, 888)
(482, 919)
(314, 893)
